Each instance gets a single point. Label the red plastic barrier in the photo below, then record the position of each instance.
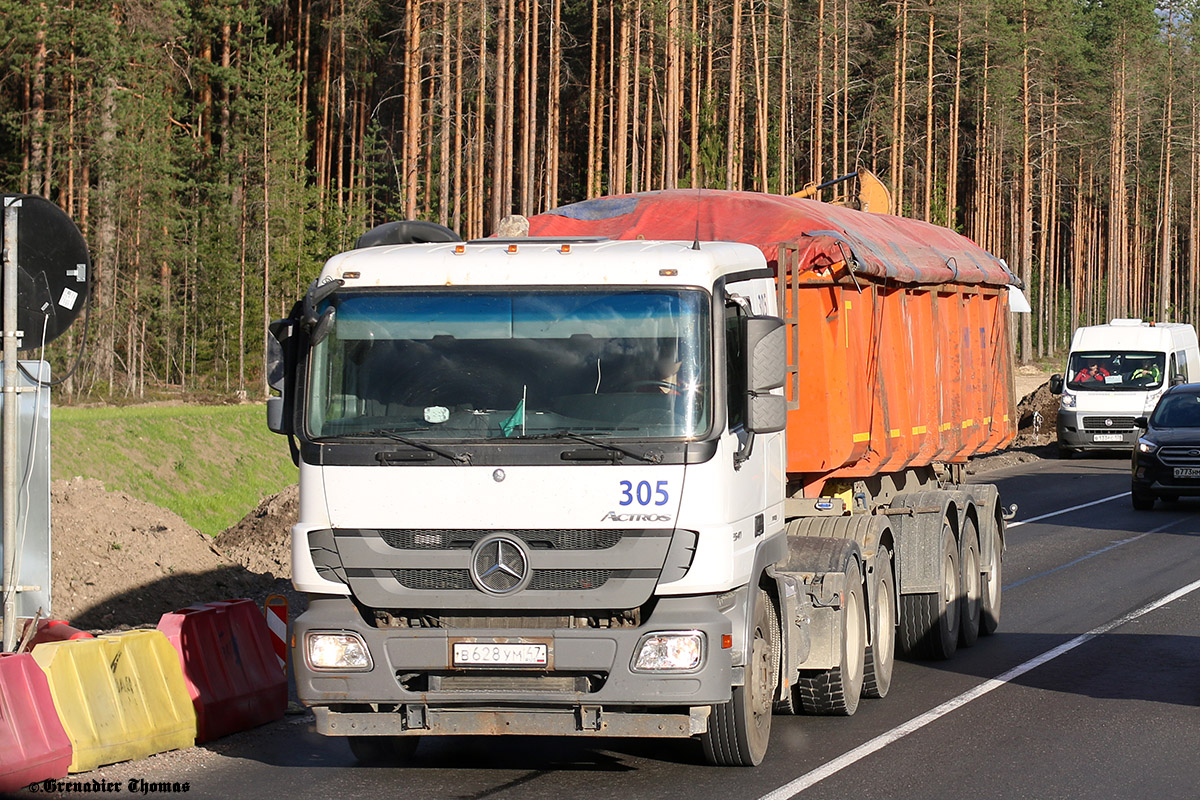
(55, 630)
(228, 664)
(33, 744)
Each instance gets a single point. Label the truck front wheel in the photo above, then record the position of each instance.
(738, 731)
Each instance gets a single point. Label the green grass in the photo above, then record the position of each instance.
(211, 465)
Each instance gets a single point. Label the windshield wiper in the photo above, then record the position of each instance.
(652, 457)
(458, 458)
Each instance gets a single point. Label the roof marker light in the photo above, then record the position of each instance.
(351, 275)
(512, 248)
(459, 249)
(566, 248)
(668, 273)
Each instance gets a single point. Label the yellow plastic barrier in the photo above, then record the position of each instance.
(119, 696)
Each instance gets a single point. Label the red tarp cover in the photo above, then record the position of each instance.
(885, 247)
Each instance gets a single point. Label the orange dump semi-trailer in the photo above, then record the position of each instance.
(898, 330)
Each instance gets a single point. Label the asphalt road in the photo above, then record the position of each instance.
(1091, 688)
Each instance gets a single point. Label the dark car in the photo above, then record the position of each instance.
(1166, 458)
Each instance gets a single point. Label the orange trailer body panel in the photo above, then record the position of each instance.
(898, 330)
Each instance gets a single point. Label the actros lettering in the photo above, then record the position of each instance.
(613, 516)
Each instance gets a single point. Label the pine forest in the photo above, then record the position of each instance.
(215, 152)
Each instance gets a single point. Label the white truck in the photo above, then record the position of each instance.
(1115, 374)
(545, 485)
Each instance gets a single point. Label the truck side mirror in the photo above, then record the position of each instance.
(766, 354)
(766, 369)
(275, 415)
(1056, 384)
(280, 366)
(1177, 379)
(1141, 422)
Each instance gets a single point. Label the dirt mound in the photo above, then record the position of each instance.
(119, 561)
(1036, 414)
(262, 541)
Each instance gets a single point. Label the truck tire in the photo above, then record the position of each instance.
(993, 584)
(382, 750)
(739, 731)
(881, 653)
(929, 622)
(836, 691)
(972, 585)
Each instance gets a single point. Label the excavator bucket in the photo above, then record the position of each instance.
(873, 196)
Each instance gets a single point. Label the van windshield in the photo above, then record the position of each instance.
(1114, 370)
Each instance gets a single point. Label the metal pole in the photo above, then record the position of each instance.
(10, 422)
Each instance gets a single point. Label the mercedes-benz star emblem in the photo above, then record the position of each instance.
(499, 564)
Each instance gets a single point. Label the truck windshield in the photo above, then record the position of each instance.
(1106, 371)
(476, 365)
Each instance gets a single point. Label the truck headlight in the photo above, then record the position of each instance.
(1068, 401)
(340, 650)
(1146, 446)
(673, 651)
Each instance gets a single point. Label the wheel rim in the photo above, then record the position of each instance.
(885, 642)
(973, 590)
(993, 582)
(855, 639)
(760, 700)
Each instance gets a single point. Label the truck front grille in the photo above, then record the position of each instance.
(460, 579)
(569, 569)
(427, 539)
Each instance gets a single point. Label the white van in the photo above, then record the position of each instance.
(1115, 374)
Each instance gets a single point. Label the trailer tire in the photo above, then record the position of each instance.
(972, 585)
(836, 691)
(739, 731)
(929, 622)
(993, 584)
(881, 653)
(382, 750)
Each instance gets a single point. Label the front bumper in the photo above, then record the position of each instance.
(588, 686)
(1153, 477)
(1074, 432)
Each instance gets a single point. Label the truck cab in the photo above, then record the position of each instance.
(539, 481)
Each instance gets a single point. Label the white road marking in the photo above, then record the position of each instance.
(830, 768)
(1067, 510)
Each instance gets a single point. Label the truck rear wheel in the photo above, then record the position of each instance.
(739, 731)
(972, 585)
(836, 691)
(382, 750)
(929, 622)
(881, 654)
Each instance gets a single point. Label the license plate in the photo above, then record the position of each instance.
(500, 654)
(1107, 437)
(1187, 472)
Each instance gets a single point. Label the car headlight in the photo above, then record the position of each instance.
(1068, 401)
(676, 651)
(340, 650)
(1146, 446)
